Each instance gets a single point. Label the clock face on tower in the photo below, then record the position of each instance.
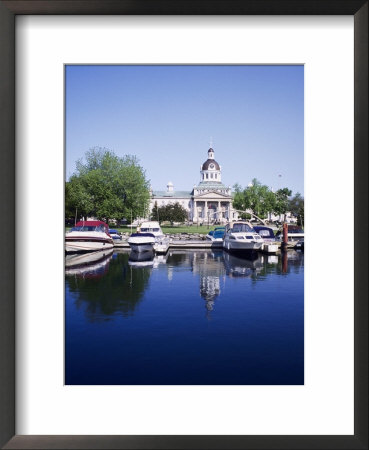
(211, 166)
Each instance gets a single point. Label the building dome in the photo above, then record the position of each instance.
(210, 164)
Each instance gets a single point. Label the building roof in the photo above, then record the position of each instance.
(207, 163)
(210, 185)
(173, 194)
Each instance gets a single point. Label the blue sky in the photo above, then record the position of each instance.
(166, 116)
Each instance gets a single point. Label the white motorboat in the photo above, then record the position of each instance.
(141, 242)
(271, 245)
(241, 237)
(161, 244)
(88, 236)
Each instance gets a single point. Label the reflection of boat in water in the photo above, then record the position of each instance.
(88, 236)
(91, 264)
(161, 244)
(146, 259)
(159, 259)
(241, 237)
(242, 266)
(141, 259)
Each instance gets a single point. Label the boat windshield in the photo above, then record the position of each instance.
(84, 228)
(266, 233)
(241, 228)
(148, 230)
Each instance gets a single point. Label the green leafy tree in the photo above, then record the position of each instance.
(296, 206)
(107, 186)
(155, 212)
(282, 201)
(171, 213)
(256, 197)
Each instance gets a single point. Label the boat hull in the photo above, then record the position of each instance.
(161, 245)
(239, 247)
(141, 248)
(83, 246)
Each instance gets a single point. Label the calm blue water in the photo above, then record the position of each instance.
(190, 317)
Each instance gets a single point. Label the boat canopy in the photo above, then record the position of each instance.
(91, 225)
(241, 227)
(264, 231)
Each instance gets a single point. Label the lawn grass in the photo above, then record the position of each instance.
(174, 229)
(168, 229)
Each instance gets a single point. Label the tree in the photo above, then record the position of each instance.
(282, 203)
(256, 197)
(171, 213)
(296, 206)
(108, 186)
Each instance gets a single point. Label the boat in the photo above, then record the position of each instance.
(141, 242)
(88, 236)
(216, 235)
(295, 236)
(115, 235)
(216, 238)
(241, 237)
(271, 244)
(161, 244)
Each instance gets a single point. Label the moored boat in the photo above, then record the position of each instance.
(241, 237)
(161, 244)
(141, 242)
(88, 236)
(271, 245)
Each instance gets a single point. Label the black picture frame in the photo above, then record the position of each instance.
(8, 11)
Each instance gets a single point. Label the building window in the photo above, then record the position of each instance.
(215, 176)
(211, 175)
(207, 176)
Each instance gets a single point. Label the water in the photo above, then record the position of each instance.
(189, 317)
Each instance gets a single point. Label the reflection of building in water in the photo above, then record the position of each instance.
(209, 267)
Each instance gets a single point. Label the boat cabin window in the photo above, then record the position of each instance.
(241, 228)
(100, 228)
(266, 233)
(148, 230)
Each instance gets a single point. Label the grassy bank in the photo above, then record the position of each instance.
(168, 229)
(175, 229)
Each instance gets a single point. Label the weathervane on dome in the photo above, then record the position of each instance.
(211, 142)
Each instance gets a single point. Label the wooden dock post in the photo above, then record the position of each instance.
(285, 237)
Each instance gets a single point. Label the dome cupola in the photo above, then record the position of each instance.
(211, 170)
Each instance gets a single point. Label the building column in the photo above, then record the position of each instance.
(206, 211)
(219, 212)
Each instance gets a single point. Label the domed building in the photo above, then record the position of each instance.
(209, 201)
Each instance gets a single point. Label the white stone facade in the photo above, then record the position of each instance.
(209, 201)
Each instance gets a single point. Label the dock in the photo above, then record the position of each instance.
(192, 243)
